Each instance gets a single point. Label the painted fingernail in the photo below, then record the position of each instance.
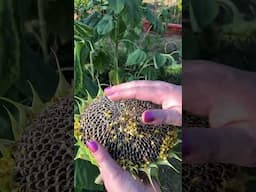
(107, 89)
(92, 145)
(149, 117)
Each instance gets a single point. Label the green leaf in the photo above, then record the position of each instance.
(14, 124)
(23, 113)
(169, 179)
(150, 73)
(93, 19)
(85, 174)
(63, 87)
(159, 60)
(37, 103)
(90, 86)
(99, 62)
(132, 13)
(151, 172)
(79, 86)
(10, 48)
(136, 57)
(167, 163)
(84, 153)
(153, 19)
(116, 5)
(83, 30)
(204, 11)
(105, 25)
(6, 142)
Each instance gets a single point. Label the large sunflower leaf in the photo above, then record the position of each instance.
(85, 174)
(105, 25)
(116, 5)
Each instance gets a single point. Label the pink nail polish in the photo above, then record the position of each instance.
(107, 89)
(148, 117)
(92, 145)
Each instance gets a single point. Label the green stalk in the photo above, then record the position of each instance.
(42, 28)
(116, 56)
(91, 59)
(131, 42)
(116, 43)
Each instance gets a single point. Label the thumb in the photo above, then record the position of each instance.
(228, 145)
(161, 116)
(114, 177)
(104, 160)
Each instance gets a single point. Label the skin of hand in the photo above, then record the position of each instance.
(169, 96)
(158, 92)
(228, 97)
(114, 177)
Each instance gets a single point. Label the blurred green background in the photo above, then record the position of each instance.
(30, 32)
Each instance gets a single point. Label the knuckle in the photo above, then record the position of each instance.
(102, 157)
(116, 175)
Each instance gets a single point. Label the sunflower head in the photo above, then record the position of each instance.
(117, 125)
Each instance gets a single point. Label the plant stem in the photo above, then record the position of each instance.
(116, 56)
(42, 28)
(131, 42)
(91, 59)
(116, 43)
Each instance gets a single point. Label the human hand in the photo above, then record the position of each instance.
(114, 177)
(228, 97)
(158, 92)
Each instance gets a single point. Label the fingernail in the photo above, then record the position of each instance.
(107, 89)
(149, 117)
(110, 96)
(92, 145)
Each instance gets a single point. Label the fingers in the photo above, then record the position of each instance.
(106, 163)
(147, 94)
(111, 173)
(154, 91)
(158, 116)
(197, 83)
(114, 177)
(136, 83)
(229, 145)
